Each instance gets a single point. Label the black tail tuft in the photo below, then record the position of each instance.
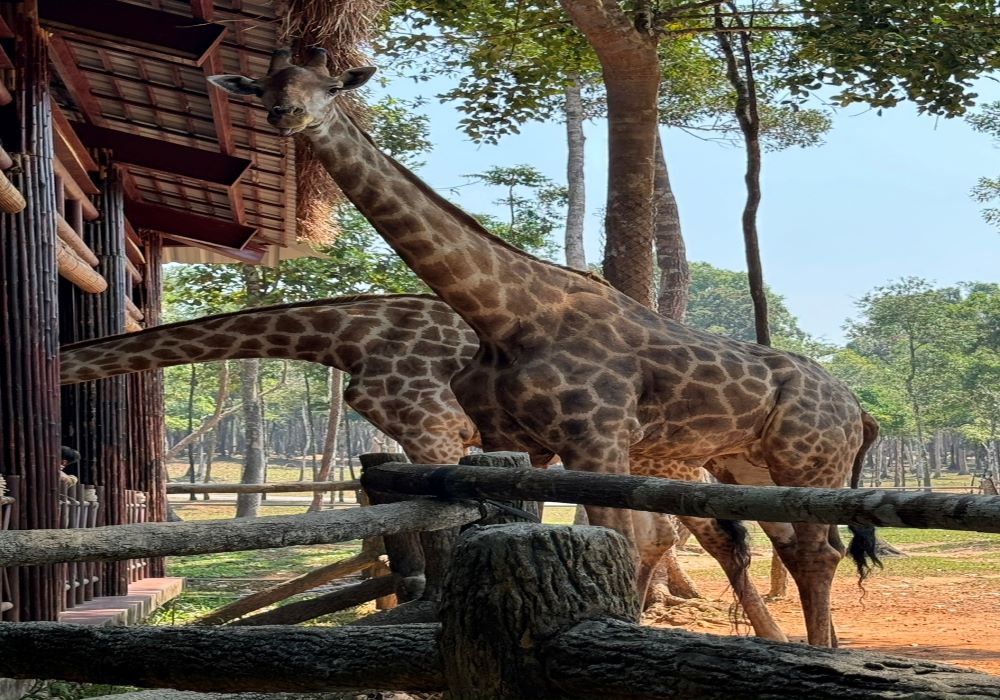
(864, 549)
(738, 533)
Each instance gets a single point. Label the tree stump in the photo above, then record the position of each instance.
(510, 587)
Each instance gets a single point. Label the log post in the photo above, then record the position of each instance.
(512, 586)
(406, 559)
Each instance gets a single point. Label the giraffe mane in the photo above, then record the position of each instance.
(463, 216)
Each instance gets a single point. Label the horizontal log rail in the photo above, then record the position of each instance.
(277, 487)
(116, 542)
(502, 636)
(770, 503)
(226, 659)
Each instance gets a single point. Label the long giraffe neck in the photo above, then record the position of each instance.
(492, 285)
(354, 335)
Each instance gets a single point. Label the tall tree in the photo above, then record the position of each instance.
(987, 190)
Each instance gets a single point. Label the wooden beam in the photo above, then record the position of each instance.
(74, 191)
(156, 154)
(177, 222)
(251, 256)
(68, 144)
(133, 245)
(166, 33)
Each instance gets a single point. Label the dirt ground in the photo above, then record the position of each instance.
(953, 620)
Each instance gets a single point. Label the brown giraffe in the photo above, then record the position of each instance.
(568, 365)
(362, 335)
(400, 351)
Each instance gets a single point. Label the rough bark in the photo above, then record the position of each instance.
(726, 501)
(671, 255)
(286, 589)
(226, 659)
(188, 695)
(631, 71)
(576, 204)
(511, 586)
(340, 599)
(610, 659)
(32, 547)
(506, 460)
(406, 614)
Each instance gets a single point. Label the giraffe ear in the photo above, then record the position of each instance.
(353, 78)
(236, 84)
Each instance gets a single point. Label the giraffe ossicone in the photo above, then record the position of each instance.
(570, 366)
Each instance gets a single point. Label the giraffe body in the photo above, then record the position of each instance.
(567, 365)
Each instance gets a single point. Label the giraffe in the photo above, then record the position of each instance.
(568, 365)
(400, 352)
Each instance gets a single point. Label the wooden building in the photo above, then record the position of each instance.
(117, 156)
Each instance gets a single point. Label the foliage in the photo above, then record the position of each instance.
(925, 357)
(882, 53)
(987, 189)
(719, 301)
(534, 206)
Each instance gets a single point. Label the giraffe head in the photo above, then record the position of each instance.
(295, 96)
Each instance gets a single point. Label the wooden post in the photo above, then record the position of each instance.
(505, 460)
(510, 587)
(406, 559)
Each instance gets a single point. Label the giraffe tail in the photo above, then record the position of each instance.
(864, 545)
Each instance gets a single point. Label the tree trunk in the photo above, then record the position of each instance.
(671, 256)
(226, 659)
(614, 660)
(336, 401)
(248, 504)
(512, 586)
(740, 73)
(192, 472)
(631, 71)
(576, 205)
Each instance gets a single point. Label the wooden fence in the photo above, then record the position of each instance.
(527, 611)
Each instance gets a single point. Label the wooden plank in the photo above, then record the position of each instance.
(132, 245)
(249, 255)
(190, 226)
(73, 78)
(156, 154)
(121, 23)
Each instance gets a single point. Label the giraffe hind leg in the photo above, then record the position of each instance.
(726, 541)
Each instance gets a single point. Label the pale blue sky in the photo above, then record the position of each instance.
(885, 197)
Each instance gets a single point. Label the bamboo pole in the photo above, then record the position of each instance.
(6, 162)
(71, 238)
(74, 269)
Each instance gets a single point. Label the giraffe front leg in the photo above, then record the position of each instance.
(731, 550)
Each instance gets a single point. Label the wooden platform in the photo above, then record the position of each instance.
(143, 598)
